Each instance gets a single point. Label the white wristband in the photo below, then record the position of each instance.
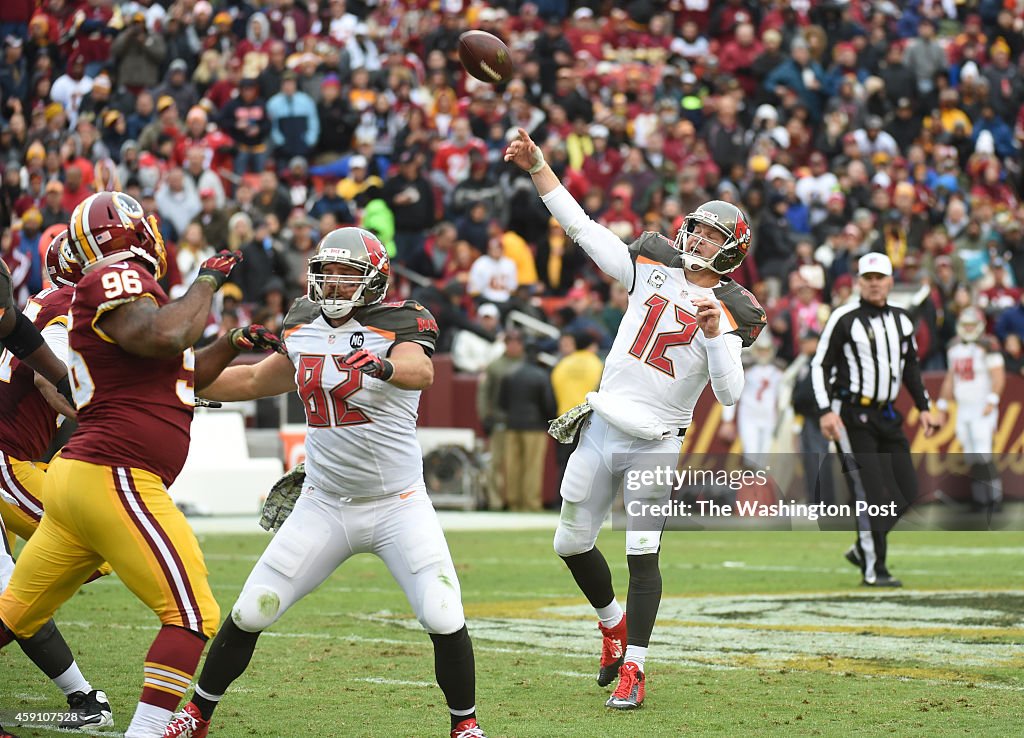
(942, 405)
(538, 161)
(993, 398)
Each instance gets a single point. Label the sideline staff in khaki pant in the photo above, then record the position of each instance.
(528, 402)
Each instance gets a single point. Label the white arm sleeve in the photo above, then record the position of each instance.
(728, 413)
(603, 246)
(56, 337)
(726, 367)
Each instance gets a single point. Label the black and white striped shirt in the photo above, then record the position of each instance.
(864, 354)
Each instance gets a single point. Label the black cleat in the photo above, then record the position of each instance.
(853, 556)
(6, 733)
(884, 580)
(87, 711)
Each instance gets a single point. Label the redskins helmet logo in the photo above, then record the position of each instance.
(128, 205)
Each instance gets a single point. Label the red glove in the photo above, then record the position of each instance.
(369, 363)
(256, 338)
(217, 268)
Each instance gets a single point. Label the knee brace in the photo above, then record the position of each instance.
(575, 533)
(440, 610)
(257, 608)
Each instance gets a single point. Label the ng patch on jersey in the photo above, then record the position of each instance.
(657, 279)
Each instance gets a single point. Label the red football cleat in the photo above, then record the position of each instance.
(629, 695)
(188, 723)
(468, 729)
(613, 648)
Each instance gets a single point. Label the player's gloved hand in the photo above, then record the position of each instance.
(256, 338)
(217, 268)
(369, 363)
(281, 498)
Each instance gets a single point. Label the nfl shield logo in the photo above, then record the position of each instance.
(356, 341)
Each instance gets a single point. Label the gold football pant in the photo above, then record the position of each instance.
(121, 515)
(21, 491)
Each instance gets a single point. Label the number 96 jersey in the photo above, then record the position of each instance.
(132, 411)
(361, 436)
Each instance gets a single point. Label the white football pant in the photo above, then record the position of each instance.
(605, 459)
(324, 530)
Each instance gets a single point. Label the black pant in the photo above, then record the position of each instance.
(880, 473)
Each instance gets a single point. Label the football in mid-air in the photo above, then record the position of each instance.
(485, 57)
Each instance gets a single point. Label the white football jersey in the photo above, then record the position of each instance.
(970, 363)
(759, 402)
(659, 357)
(361, 432)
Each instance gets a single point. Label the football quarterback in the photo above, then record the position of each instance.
(685, 326)
(358, 364)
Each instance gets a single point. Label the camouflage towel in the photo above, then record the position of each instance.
(281, 498)
(565, 427)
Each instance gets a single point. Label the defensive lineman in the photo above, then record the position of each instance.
(359, 366)
(685, 325)
(975, 379)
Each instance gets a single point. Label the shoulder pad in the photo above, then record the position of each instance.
(742, 310)
(406, 321)
(302, 311)
(654, 248)
(990, 344)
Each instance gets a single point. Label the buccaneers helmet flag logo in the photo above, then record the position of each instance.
(742, 233)
(378, 256)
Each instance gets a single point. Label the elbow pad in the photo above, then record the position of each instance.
(24, 339)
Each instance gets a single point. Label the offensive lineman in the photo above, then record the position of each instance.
(106, 499)
(975, 379)
(685, 325)
(359, 366)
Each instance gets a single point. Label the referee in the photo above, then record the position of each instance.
(867, 350)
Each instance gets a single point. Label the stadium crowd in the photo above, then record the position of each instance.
(839, 127)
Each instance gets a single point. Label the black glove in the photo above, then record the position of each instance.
(256, 338)
(217, 268)
(369, 363)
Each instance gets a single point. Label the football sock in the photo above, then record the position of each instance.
(636, 655)
(229, 656)
(610, 615)
(643, 598)
(48, 650)
(148, 720)
(455, 670)
(170, 664)
(72, 681)
(593, 577)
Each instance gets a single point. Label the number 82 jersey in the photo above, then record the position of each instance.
(361, 436)
(132, 411)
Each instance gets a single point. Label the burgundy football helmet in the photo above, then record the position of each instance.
(111, 226)
(61, 265)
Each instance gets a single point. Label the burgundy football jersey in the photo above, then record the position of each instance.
(27, 423)
(132, 411)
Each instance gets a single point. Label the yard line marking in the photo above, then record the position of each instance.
(80, 731)
(396, 682)
(579, 674)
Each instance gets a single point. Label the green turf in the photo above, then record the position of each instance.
(811, 654)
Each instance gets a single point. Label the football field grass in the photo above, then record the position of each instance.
(759, 634)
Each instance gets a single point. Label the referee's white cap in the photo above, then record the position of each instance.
(874, 263)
